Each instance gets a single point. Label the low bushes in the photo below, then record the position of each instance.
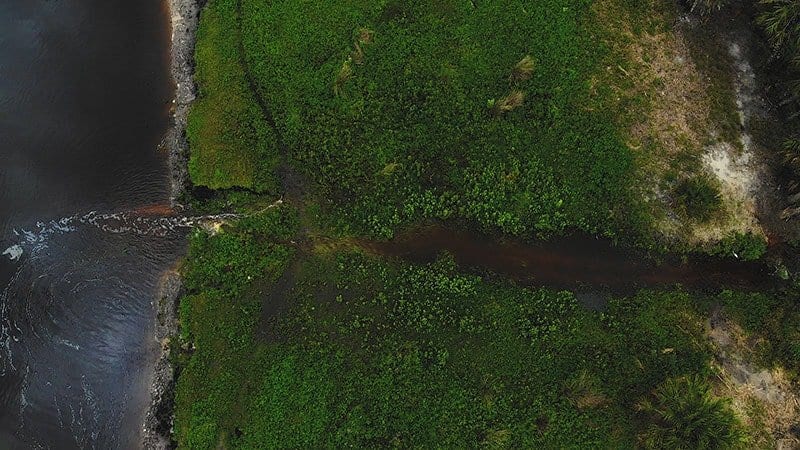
(378, 354)
(231, 143)
(383, 106)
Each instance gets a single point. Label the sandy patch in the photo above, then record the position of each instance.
(675, 137)
(737, 168)
(763, 398)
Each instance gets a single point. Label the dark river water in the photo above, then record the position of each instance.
(84, 102)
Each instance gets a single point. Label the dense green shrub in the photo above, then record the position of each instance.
(683, 414)
(224, 274)
(699, 198)
(745, 246)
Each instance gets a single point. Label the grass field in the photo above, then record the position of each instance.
(335, 348)
(232, 145)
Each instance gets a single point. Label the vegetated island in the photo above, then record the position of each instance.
(339, 129)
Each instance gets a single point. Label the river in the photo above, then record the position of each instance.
(85, 97)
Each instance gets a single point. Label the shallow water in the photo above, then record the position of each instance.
(84, 102)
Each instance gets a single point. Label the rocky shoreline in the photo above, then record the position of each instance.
(157, 427)
(184, 15)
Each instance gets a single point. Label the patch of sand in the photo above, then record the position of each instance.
(736, 169)
(764, 398)
(676, 124)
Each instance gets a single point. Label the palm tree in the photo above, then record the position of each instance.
(683, 414)
(781, 21)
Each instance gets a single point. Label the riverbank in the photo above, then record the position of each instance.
(158, 417)
(183, 15)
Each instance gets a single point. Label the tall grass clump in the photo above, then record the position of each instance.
(510, 102)
(523, 70)
(682, 413)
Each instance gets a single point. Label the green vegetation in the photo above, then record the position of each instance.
(218, 317)
(405, 111)
(699, 198)
(231, 143)
(489, 114)
(372, 354)
(685, 414)
(745, 246)
(780, 20)
(772, 322)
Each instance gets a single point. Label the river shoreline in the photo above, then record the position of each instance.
(183, 19)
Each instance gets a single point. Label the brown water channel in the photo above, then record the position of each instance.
(594, 268)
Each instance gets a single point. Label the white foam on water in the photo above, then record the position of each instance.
(35, 241)
(114, 223)
(14, 252)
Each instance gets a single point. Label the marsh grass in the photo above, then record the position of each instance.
(510, 102)
(523, 70)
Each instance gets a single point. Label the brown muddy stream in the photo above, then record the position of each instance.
(591, 267)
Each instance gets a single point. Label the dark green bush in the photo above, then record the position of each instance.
(684, 414)
(699, 198)
(745, 246)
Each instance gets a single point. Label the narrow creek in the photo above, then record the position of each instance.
(593, 268)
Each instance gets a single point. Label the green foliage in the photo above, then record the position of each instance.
(699, 198)
(394, 128)
(218, 316)
(781, 22)
(375, 354)
(231, 143)
(227, 261)
(745, 246)
(774, 318)
(683, 414)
